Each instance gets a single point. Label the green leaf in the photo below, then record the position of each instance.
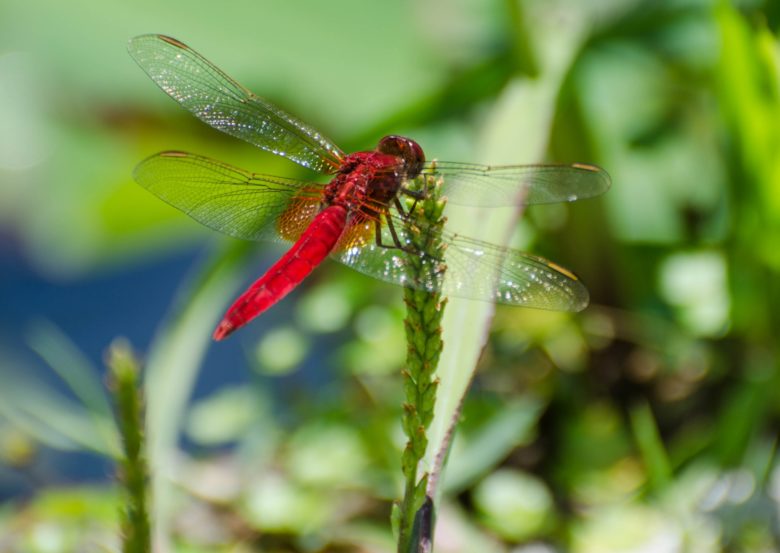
(518, 130)
(395, 519)
(489, 444)
(54, 347)
(81, 377)
(48, 416)
(174, 360)
(651, 447)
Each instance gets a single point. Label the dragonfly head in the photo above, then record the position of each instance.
(405, 148)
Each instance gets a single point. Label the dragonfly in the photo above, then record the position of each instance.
(358, 217)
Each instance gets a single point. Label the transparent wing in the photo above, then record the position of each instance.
(507, 185)
(218, 100)
(254, 207)
(474, 269)
(233, 201)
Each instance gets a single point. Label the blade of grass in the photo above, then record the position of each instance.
(651, 447)
(513, 426)
(54, 347)
(174, 360)
(517, 131)
(53, 419)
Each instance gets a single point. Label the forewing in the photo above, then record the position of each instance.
(233, 201)
(470, 269)
(509, 185)
(218, 100)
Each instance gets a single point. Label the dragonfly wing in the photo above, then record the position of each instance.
(358, 249)
(218, 100)
(233, 201)
(485, 271)
(510, 185)
(470, 269)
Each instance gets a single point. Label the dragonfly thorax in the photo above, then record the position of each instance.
(366, 181)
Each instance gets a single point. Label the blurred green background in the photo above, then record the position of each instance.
(646, 423)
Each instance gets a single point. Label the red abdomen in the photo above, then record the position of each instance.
(312, 247)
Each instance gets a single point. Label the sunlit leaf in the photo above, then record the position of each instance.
(517, 131)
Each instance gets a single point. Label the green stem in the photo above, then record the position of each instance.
(424, 310)
(133, 472)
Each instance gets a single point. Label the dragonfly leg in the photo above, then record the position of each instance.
(396, 242)
(416, 194)
(400, 207)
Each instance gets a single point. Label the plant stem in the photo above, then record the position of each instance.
(424, 310)
(133, 472)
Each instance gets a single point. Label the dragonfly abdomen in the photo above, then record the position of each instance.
(312, 247)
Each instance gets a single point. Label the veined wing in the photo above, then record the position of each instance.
(508, 185)
(200, 87)
(474, 269)
(233, 201)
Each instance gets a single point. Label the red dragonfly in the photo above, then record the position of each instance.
(357, 217)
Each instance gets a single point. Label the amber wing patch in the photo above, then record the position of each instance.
(359, 232)
(298, 215)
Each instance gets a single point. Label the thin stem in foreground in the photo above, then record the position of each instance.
(133, 472)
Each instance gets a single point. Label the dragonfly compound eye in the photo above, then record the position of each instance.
(405, 148)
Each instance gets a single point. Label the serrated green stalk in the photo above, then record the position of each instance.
(133, 471)
(424, 310)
